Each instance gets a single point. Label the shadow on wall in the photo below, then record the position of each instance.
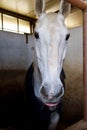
(11, 98)
(73, 66)
(73, 99)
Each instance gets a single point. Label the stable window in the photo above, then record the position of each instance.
(24, 26)
(9, 23)
(15, 24)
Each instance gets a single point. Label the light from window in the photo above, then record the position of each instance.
(9, 23)
(24, 26)
(74, 19)
(0, 22)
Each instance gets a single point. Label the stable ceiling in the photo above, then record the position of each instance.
(26, 8)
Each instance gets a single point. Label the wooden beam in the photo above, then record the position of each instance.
(82, 4)
(17, 15)
(85, 62)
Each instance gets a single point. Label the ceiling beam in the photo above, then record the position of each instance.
(82, 4)
(17, 15)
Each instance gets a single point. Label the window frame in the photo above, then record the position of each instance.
(18, 16)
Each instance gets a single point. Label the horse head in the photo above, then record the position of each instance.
(50, 42)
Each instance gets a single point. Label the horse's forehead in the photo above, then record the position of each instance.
(51, 24)
(47, 20)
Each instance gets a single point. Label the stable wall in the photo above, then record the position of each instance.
(73, 65)
(15, 53)
(15, 58)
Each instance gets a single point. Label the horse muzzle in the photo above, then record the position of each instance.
(51, 99)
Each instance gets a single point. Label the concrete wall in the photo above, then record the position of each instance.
(15, 58)
(14, 52)
(73, 101)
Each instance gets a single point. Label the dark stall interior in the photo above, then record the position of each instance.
(11, 98)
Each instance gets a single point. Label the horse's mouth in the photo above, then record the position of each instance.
(51, 104)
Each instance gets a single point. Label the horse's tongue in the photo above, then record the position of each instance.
(51, 105)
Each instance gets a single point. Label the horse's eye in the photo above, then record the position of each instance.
(36, 34)
(67, 36)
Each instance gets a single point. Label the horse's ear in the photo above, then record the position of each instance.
(65, 7)
(39, 7)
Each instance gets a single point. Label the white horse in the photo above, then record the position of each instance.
(51, 35)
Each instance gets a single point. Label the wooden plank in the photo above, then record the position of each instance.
(81, 125)
(82, 4)
(85, 62)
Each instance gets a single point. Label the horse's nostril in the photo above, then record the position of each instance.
(45, 94)
(43, 91)
(59, 93)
